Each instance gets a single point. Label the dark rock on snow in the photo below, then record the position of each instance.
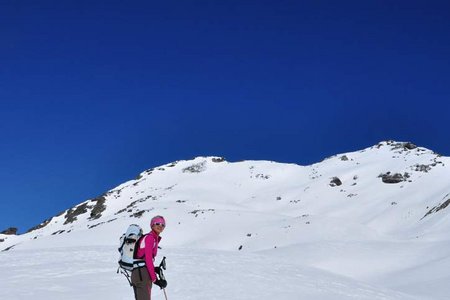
(9, 231)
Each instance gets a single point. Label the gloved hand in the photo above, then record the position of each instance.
(161, 283)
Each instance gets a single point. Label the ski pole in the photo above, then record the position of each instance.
(163, 263)
(162, 266)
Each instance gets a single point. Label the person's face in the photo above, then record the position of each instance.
(158, 227)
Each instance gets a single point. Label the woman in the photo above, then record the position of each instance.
(147, 248)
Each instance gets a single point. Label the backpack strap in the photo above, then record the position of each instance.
(123, 243)
(137, 246)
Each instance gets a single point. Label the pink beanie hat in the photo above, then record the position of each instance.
(157, 219)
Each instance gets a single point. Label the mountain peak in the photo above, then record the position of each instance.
(397, 144)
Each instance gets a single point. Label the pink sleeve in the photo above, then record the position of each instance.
(149, 244)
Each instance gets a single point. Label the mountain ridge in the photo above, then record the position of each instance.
(391, 165)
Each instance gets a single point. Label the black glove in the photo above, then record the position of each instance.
(161, 283)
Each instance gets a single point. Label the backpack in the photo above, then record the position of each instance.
(128, 248)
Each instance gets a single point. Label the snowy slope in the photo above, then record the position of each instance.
(371, 224)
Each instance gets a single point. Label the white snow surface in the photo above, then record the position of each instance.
(255, 230)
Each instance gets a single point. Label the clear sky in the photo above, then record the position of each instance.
(94, 92)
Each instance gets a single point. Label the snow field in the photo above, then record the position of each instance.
(89, 273)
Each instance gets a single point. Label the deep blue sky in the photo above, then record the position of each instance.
(94, 92)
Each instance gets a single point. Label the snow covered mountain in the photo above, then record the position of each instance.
(371, 224)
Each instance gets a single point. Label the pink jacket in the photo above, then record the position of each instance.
(148, 249)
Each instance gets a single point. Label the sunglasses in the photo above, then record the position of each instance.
(160, 224)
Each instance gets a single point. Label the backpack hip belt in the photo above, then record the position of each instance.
(139, 264)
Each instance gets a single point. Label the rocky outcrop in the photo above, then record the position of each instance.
(96, 205)
(218, 159)
(398, 145)
(409, 146)
(196, 168)
(98, 208)
(335, 181)
(10, 231)
(440, 206)
(43, 224)
(393, 178)
(72, 213)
